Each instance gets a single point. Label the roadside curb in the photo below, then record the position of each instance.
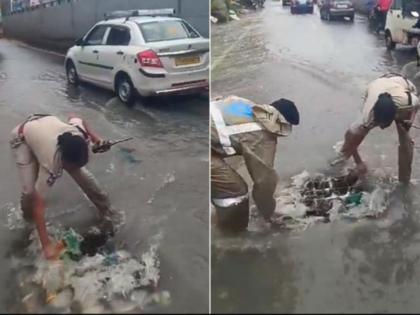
(28, 46)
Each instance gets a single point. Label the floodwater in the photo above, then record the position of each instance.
(348, 265)
(149, 180)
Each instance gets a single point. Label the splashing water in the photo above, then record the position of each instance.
(114, 281)
(292, 211)
(168, 179)
(14, 217)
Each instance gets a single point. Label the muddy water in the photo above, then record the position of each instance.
(352, 264)
(149, 179)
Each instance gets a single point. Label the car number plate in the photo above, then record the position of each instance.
(187, 60)
(341, 6)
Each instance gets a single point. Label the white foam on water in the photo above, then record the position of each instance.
(110, 168)
(14, 217)
(95, 283)
(337, 147)
(169, 178)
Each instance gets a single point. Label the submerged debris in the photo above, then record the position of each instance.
(313, 198)
(108, 281)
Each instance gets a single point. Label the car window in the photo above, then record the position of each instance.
(397, 4)
(118, 36)
(96, 36)
(411, 5)
(166, 30)
(191, 31)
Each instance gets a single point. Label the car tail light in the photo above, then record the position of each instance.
(149, 58)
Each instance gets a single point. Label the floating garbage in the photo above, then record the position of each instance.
(317, 197)
(108, 281)
(72, 241)
(233, 15)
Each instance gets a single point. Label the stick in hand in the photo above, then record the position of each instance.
(108, 144)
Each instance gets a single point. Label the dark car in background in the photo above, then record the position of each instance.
(302, 6)
(286, 2)
(330, 9)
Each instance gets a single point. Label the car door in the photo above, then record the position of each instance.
(113, 53)
(394, 21)
(407, 7)
(88, 59)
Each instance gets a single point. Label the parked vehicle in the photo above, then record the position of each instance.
(400, 21)
(254, 4)
(302, 6)
(148, 52)
(336, 8)
(260, 3)
(286, 2)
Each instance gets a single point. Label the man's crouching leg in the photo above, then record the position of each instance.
(405, 154)
(26, 204)
(229, 194)
(87, 182)
(232, 214)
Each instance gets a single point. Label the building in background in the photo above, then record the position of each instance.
(1, 25)
(34, 3)
(18, 5)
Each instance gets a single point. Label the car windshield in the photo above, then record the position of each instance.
(411, 5)
(166, 30)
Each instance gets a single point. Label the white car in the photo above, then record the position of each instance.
(400, 21)
(144, 51)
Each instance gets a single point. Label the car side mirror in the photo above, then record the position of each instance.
(80, 42)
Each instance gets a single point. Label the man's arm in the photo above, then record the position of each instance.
(93, 136)
(51, 250)
(353, 138)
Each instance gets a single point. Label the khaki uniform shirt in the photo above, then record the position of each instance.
(398, 87)
(41, 136)
(246, 123)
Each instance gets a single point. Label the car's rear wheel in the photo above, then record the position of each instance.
(390, 44)
(351, 18)
(72, 76)
(125, 89)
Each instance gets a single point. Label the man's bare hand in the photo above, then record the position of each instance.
(54, 250)
(101, 146)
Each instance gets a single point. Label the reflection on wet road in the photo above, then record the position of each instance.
(367, 265)
(148, 179)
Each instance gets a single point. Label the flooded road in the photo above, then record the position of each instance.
(149, 179)
(346, 266)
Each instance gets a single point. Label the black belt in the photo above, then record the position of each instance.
(410, 99)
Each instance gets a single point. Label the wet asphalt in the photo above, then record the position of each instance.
(158, 180)
(368, 265)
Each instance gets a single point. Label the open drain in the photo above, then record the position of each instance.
(319, 193)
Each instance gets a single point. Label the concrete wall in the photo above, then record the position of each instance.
(59, 26)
